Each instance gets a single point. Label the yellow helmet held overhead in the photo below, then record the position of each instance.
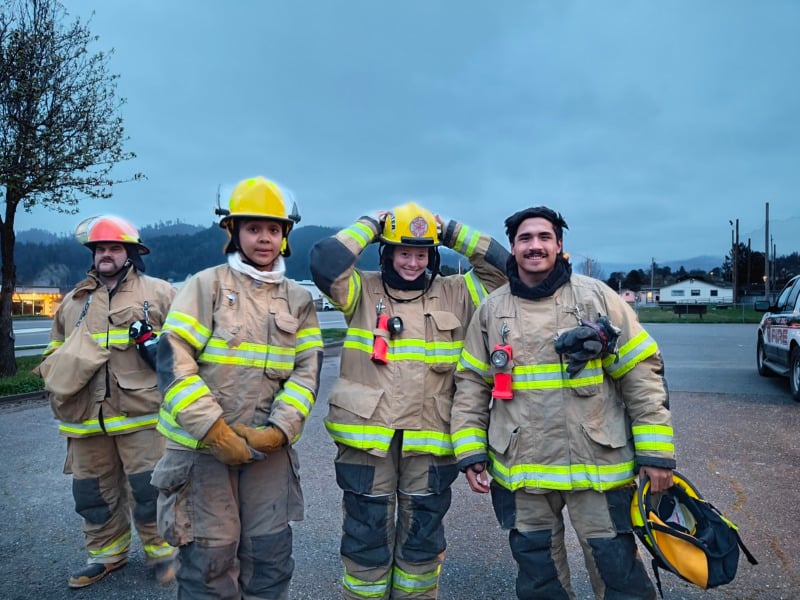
(260, 198)
(410, 225)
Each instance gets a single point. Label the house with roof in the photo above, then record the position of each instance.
(696, 289)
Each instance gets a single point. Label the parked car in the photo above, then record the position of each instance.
(778, 350)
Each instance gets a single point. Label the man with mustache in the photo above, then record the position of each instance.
(560, 397)
(110, 423)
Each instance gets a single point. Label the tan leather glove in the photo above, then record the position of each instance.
(268, 439)
(226, 446)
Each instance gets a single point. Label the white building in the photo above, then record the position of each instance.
(695, 290)
(320, 301)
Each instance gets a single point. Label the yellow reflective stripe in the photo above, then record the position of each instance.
(364, 437)
(169, 428)
(561, 477)
(466, 241)
(353, 294)
(184, 393)
(120, 423)
(101, 339)
(88, 427)
(469, 362)
(548, 376)
(308, 338)
(653, 438)
(360, 232)
(187, 328)
(52, 347)
(115, 548)
(159, 550)
(469, 439)
(415, 582)
(248, 354)
(476, 289)
(296, 395)
(358, 339)
(365, 589)
(119, 337)
(429, 442)
(631, 354)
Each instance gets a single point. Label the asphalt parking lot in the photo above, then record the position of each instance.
(736, 437)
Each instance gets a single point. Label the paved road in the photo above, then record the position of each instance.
(737, 438)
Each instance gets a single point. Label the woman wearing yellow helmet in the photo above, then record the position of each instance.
(389, 410)
(239, 371)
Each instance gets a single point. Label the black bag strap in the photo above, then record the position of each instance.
(84, 310)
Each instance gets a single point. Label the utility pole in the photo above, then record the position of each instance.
(766, 255)
(749, 261)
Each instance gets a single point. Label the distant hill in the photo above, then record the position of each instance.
(697, 263)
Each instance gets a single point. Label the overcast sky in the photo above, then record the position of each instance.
(649, 125)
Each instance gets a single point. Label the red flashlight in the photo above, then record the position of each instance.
(500, 358)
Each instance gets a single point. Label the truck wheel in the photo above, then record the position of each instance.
(763, 370)
(794, 373)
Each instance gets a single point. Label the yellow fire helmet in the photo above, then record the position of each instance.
(410, 225)
(260, 198)
(109, 229)
(686, 534)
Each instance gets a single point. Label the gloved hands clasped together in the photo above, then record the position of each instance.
(241, 444)
(587, 341)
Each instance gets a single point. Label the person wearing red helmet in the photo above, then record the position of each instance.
(110, 421)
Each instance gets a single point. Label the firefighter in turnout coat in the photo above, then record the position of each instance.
(561, 429)
(110, 422)
(389, 411)
(239, 367)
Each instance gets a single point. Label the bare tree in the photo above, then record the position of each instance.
(60, 129)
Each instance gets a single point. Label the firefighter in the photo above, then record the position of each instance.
(390, 408)
(238, 364)
(109, 402)
(587, 409)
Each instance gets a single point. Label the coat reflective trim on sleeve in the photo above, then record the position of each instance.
(415, 583)
(52, 347)
(468, 362)
(631, 354)
(427, 442)
(469, 440)
(298, 396)
(87, 428)
(466, 241)
(311, 337)
(363, 437)
(353, 294)
(184, 393)
(561, 477)
(188, 329)
(653, 438)
(359, 232)
(476, 289)
(169, 428)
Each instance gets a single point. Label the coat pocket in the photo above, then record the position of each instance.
(282, 342)
(446, 339)
(356, 398)
(138, 392)
(502, 438)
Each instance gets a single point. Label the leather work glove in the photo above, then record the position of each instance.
(268, 439)
(226, 446)
(587, 341)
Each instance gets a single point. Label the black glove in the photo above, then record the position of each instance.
(587, 341)
(146, 340)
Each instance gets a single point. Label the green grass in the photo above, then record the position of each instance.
(333, 335)
(715, 314)
(24, 381)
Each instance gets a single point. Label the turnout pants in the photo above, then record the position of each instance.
(111, 481)
(393, 540)
(603, 526)
(231, 524)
